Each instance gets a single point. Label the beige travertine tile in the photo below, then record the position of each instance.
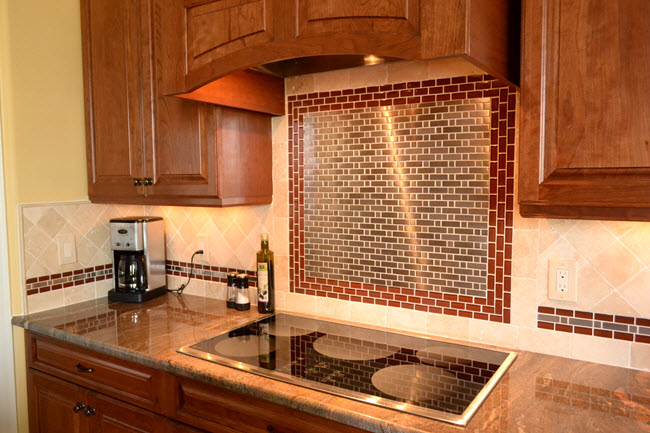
(334, 308)
(279, 129)
(51, 222)
(615, 304)
(216, 290)
(617, 264)
(451, 67)
(281, 273)
(368, 76)
(299, 84)
(281, 236)
(544, 341)
(81, 293)
(300, 303)
(548, 236)
(635, 292)
(448, 326)
(521, 223)
(592, 288)
(370, 314)
(281, 198)
(332, 80)
(619, 228)
(602, 350)
(524, 250)
(45, 301)
(498, 334)
(637, 239)
(102, 287)
(413, 70)
(280, 161)
(523, 308)
(590, 238)
(409, 320)
(640, 356)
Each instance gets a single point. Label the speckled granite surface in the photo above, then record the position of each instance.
(538, 394)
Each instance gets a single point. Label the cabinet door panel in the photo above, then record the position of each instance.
(113, 416)
(113, 43)
(397, 17)
(51, 403)
(182, 157)
(585, 127)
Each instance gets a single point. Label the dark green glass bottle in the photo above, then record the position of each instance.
(265, 283)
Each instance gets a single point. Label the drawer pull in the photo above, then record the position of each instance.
(82, 369)
(78, 407)
(90, 411)
(270, 429)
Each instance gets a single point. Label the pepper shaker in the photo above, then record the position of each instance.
(242, 301)
(231, 297)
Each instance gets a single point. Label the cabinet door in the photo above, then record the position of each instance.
(585, 130)
(181, 160)
(116, 50)
(113, 416)
(52, 404)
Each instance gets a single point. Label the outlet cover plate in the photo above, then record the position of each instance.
(556, 291)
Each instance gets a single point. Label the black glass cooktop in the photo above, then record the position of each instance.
(430, 378)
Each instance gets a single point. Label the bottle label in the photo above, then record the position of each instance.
(262, 282)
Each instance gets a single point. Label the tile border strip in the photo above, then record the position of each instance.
(47, 283)
(626, 328)
(217, 274)
(63, 280)
(496, 305)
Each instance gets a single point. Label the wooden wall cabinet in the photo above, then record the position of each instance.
(147, 148)
(585, 125)
(209, 39)
(76, 390)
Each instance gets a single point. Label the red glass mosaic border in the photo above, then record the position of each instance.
(63, 280)
(496, 305)
(625, 328)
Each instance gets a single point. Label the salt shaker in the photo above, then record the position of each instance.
(242, 301)
(231, 298)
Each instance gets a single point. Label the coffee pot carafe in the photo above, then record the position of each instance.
(138, 245)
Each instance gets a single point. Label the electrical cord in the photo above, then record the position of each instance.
(179, 291)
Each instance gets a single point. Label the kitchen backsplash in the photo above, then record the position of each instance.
(608, 324)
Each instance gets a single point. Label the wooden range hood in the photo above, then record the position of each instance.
(224, 39)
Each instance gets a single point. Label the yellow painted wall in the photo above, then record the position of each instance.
(43, 123)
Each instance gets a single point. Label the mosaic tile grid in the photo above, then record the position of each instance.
(399, 196)
(495, 306)
(600, 325)
(592, 398)
(63, 280)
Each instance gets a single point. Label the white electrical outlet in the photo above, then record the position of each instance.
(562, 280)
(201, 243)
(66, 249)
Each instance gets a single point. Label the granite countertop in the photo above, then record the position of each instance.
(539, 393)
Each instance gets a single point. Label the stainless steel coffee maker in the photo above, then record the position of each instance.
(138, 245)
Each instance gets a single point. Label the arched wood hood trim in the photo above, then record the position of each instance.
(204, 40)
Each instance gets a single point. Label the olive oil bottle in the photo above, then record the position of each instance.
(265, 283)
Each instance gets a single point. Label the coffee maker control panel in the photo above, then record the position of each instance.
(126, 236)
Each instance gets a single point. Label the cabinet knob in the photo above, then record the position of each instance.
(90, 411)
(78, 407)
(82, 369)
(137, 182)
(148, 181)
(270, 429)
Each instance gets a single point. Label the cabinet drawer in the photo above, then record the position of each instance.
(129, 382)
(219, 410)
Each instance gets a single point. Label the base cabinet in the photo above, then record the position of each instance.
(56, 406)
(58, 403)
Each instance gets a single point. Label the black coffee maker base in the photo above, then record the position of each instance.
(115, 296)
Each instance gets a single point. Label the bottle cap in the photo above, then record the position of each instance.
(265, 236)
